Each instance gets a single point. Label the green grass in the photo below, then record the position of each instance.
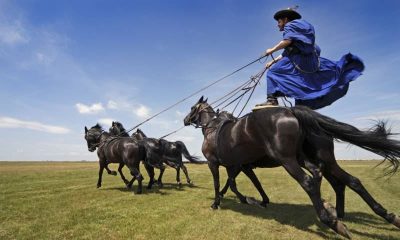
(48, 200)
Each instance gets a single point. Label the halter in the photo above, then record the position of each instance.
(197, 113)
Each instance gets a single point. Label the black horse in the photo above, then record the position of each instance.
(160, 151)
(278, 135)
(226, 117)
(122, 150)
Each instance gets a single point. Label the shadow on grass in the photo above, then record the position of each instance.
(164, 190)
(303, 217)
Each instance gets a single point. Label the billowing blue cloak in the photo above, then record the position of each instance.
(302, 74)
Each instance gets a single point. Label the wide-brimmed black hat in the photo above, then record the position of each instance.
(289, 13)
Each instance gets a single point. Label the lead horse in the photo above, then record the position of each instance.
(121, 150)
(159, 151)
(277, 136)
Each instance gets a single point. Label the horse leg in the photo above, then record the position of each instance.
(178, 178)
(232, 173)
(159, 180)
(215, 172)
(310, 186)
(226, 187)
(317, 175)
(185, 171)
(109, 171)
(121, 165)
(136, 173)
(250, 174)
(150, 172)
(100, 175)
(356, 185)
(339, 189)
(315, 172)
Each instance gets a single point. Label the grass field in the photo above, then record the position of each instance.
(49, 200)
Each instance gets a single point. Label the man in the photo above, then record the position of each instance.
(300, 72)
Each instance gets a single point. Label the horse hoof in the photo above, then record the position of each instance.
(214, 207)
(179, 184)
(264, 204)
(113, 173)
(128, 186)
(98, 185)
(396, 221)
(139, 192)
(253, 201)
(330, 208)
(342, 230)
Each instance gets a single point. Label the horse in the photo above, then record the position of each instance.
(247, 169)
(277, 135)
(159, 151)
(125, 151)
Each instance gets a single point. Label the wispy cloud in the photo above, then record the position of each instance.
(392, 115)
(93, 109)
(142, 111)
(106, 121)
(7, 122)
(112, 105)
(12, 33)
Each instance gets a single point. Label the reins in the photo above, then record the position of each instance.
(196, 92)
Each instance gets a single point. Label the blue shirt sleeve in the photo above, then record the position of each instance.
(299, 30)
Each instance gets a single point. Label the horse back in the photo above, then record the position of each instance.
(261, 134)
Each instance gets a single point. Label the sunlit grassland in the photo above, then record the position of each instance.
(50, 200)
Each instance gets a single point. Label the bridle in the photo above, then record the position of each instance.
(97, 137)
(195, 117)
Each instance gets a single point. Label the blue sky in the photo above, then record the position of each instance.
(69, 64)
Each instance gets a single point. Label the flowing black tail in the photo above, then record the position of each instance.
(185, 153)
(375, 140)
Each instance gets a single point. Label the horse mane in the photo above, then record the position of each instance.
(141, 132)
(98, 126)
(120, 126)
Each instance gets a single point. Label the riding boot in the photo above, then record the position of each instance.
(271, 101)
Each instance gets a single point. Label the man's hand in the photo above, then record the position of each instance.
(269, 64)
(269, 51)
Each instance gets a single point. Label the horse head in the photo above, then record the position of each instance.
(116, 128)
(92, 136)
(139, 135)
(200, 114)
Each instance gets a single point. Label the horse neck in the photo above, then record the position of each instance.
(104, 136)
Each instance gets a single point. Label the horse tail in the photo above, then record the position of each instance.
(185, 153)
(374, 140)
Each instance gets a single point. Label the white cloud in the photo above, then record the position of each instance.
(142, 111)
(112, 104)
(7, 122)
(12, 34)
(392, 115)
(106, 121)
(93, 109)
(180, 114)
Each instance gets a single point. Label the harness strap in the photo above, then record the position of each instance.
(217, 132)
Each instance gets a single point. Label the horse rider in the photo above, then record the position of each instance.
(300, 73)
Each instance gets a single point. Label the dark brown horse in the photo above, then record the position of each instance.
(226, 117)
(277, 136)
(122, 150)
(160, 151)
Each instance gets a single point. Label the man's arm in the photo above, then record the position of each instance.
(281, 45)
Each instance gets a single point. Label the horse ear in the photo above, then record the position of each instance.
(206, 100)
(86, 130)
(201, 99)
